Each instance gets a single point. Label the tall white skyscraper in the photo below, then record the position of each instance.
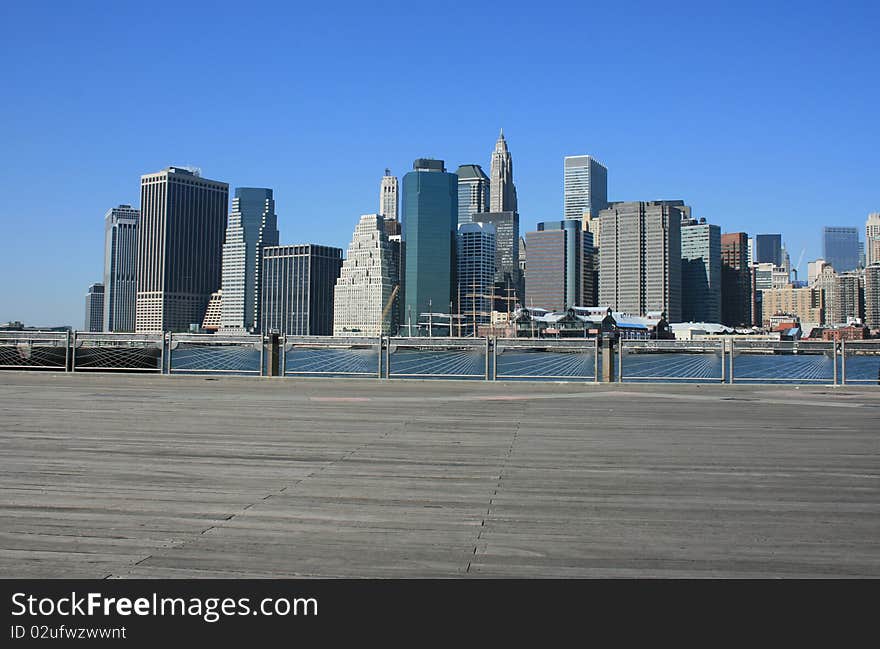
(585, 188)
(502, 190)
(252, 226)
(388, 196)
(476, 274)
(872, 239)
(363, 290)
(120, 268)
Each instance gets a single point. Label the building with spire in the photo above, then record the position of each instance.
(388, 196)
(473, 192)
(362, 298)
(502, 191)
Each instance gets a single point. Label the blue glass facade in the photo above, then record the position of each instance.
(840, 248)
(768, 249)
(429, 221)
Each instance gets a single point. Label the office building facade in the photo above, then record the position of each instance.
(872, 239)
(388, 196)
(120, 268)
(805, 304)
(700, 271)
(473, 192)
(840, 247)
(180, 248)
(298, 285)
(475, 259)
(502, 191)
(872, 296)
(508, 276)
(640, 258)
(767, 249)
(736, 309)
(362, 297)
(94, 318)
(560, 266)
(252, 226)
(585, 187)
(429, 222)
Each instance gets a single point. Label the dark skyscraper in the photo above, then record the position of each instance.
(560, 266)
(180, 248)
(473, 192)
(94, 307)
(736, 284)
(840, 247)
(700, 271)
(507, 256)
(430, 218)
(298, 285)
(768, 249)
(120, 268)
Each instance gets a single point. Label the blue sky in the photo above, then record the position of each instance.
(761, 115)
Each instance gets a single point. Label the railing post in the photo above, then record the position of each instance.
(495, 359)
(67, 353)
(488, 345)
(842, 362)
(732, 354)
(596, 359)
(388, 358)
(834, 361)
(723, 350)
(273, 355)
(379, 355)
(73, 353)
(619, 361)
(170, 338)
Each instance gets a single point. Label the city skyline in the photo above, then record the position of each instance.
(736, 103)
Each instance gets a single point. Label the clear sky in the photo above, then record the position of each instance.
(761, 115)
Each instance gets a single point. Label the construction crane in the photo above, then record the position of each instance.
(797, 269)
(389, 303)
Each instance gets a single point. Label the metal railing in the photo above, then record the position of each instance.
(35, 350)
(775, 361)
(109, 352)
(215, 354)
(860, 362)
(529, 359)
(689, 361)
(504, 359)
(462, 358)
(331, 356)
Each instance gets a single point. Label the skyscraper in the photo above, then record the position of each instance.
(476, 274)
(700, 271)
(180, 248)
(767, 249)
(388, 200)
(840, 247)
(872, 296)
(872, 239)
(361, 299)
(298, 283)
(585, 188)
(120, 268)
(736, 285)
(560, 266)
(430, 216)
(252, 226)
(502, 195)
(640, 259)
(509, 287)
(94, 307)
(473, 192)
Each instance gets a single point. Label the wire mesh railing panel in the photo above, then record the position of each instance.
(330, 361)
(33, 350)
(681, 361)
(437, 358)
(207, 353)
(784, 362)
(860, 362)
(115, 352)
(552, 360)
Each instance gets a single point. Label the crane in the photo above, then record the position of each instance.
(797, 269)
(389, 302)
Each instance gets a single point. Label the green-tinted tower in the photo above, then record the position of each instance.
(430, 218)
